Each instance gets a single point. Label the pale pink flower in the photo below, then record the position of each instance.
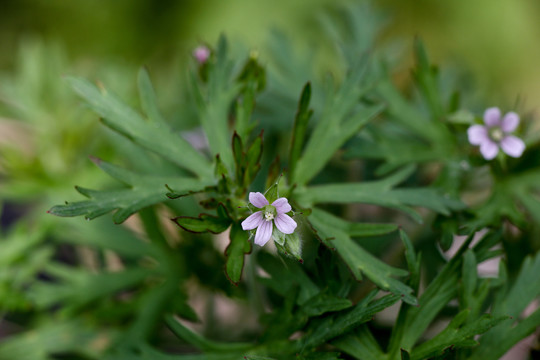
(496, 133)
(262, 220)
(201, 54)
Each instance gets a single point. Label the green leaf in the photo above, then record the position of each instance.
(426, 78)
(320, 356)
(469, 280)
(272, 193)
(156, 137)
(288, 244)
(56, 337)
(301, 120)
(78, 287)
(342, 322)
(144, 190)
(204, 223)
(324, 302)
(342, 117)
(525, 289)
(405, 355)
(414, 320)
(413, 262)
(239, 246)
(239, 156)
(455, 335)
(357, 229)
(148, 98)
(400, 109)
(125, 243)
(286, 275)
(381, 193)
(200, 342)
(253, 158)
(215, 101)
(361, 344)
(360, 261)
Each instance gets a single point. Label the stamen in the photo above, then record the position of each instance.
(496, 134)
(268, 216)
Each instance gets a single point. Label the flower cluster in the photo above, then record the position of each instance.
(496, 133)
(269, 214)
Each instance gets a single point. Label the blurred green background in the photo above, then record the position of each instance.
(496, 39)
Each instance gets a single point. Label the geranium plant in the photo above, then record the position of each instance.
(361, 188)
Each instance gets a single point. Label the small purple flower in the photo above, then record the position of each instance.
(201, 54)
(496, 133)
(262, 220)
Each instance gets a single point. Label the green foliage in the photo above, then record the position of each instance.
(379, 178)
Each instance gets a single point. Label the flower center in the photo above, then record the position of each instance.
(269, 212)
(496, 134)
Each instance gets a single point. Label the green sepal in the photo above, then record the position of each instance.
(272, 193)
(288, 244)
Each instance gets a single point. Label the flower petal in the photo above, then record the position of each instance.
(489, 149)
(513, 146)
(492, 116)
(252, 221)
(510, 122)
(257, 199)
(285, 223)
(477, 134)
(264, 233)
(282, 205)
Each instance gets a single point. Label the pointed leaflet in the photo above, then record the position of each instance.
(525, 289)
(413, 262)
(301, 119)
(239, 246)
(77, 287)
(199, 341)
(253, 79)
(144, 190)
(361, 344)
(239, 157)
(425, 75)
(344, 321)
(247, 163)
(153, 136)
(413, 321)
(342, 117)
(205, 222)
(380, 192)
(284, 279)
(456, 336)
(253, 159)
(55, 337)
(148, 98)
(360, 261)
(214, 103)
